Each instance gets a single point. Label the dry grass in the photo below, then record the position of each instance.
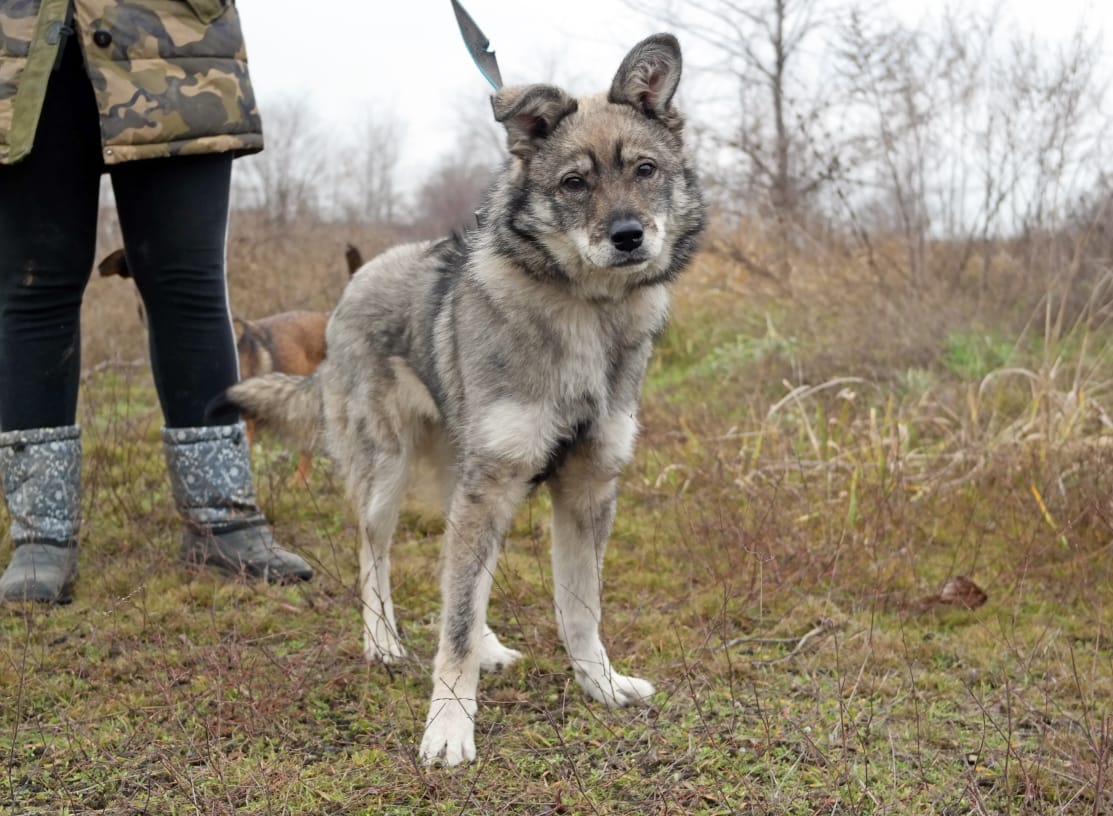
(271, 268)
(816, 460)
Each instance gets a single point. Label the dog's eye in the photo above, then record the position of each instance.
(646, 169)
(573, 183)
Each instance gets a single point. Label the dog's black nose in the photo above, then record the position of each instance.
(626, 234)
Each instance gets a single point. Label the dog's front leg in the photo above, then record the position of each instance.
(482, 509)
(583, 512)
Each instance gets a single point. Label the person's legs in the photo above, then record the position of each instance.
(174, 215)
(48, 216)
(48, 221)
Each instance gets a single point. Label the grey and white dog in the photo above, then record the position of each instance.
(510, 357)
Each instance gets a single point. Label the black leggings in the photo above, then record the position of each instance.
(173, 215)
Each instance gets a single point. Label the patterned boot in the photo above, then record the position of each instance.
(210, 477)
(41, 469)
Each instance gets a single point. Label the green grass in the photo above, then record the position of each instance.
(972, 356)
(756, 508)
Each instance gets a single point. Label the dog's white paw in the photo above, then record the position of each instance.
(382, 646)
(449, 737)
(493, 656)
(615, 690)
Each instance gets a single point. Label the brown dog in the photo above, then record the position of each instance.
(288, 343)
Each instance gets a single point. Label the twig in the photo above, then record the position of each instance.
(108, 365)
(823, 626)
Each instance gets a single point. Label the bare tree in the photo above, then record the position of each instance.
(759, 47)
(962, 136)
(450, 195)
(364, 176)
(284, 180)
(478, 136)
(898, 82)
(453, 189)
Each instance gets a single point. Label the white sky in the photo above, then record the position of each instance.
(406, 56)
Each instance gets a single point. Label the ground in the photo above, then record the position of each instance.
(805, 492)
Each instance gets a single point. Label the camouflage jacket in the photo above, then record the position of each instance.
(170, 76)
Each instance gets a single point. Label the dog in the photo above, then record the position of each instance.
(288, 342)
(510, 357)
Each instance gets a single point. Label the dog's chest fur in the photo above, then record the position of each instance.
(577, 371)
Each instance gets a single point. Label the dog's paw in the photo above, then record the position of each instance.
(493, 656)
(615, 690)
(449, 737)
(383, 647)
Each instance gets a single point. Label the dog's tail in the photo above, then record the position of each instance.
(291, 406)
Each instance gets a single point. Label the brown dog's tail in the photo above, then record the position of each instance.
(291, 406)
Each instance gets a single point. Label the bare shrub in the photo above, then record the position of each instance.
(362, 179)
(284, 181)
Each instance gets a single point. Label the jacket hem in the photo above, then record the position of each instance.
(245, 143)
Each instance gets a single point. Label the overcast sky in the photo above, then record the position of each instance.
(406, 56)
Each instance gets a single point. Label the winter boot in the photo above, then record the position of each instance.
(210, 477)
(41, 470)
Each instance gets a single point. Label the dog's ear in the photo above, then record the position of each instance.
(648, 77)
(240, 329)
(354, 258)
(530, 113)
(115, 263)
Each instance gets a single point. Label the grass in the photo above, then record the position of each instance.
(792, 504)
